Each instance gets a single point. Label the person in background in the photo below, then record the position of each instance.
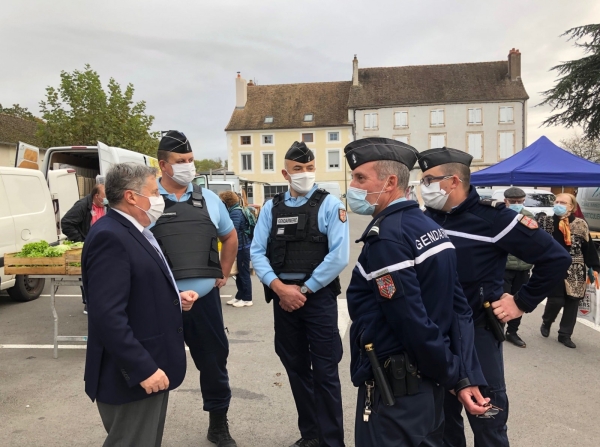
(84, 213)
(516, 273)
(243, 282)
(573, 234)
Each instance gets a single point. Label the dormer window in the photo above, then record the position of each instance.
(268, 119)
(308, 117)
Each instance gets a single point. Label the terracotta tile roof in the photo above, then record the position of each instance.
(288, 103)
(435, 84)
(13, 130)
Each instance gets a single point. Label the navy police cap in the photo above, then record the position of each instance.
(299, 152)
(175, 141)
(375, 149)
(440, 156)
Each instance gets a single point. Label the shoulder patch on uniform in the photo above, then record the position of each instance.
(528, 222)
(492, 203)
(386, 286)
(342, 215)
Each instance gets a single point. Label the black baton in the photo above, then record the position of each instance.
(380, 379)
(493, 322)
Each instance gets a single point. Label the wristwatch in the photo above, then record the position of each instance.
(304, 290)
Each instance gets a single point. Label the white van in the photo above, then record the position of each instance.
(27, 214)
(332, 188)
(589, 201)
(536, 200)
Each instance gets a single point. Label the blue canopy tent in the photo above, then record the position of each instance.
(542, 163)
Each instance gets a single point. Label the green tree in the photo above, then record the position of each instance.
(576, 94)
(208, 164)
(81, 112)
(583, 147)
(19, 112)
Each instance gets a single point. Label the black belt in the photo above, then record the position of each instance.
(403, 374)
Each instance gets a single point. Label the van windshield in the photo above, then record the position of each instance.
(539, 200)
(219, 188)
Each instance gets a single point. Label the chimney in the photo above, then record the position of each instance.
(355, 72)
(514, 65)
(250, 83)
(241, 92)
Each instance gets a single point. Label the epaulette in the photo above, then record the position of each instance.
(492, 203)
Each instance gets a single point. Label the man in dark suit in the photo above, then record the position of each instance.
(135, 351)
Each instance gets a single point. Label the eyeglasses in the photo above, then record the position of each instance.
(428, 179)
(491, 412)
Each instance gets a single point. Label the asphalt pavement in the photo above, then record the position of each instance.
(554, 391)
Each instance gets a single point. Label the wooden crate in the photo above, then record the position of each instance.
(73, 257)
(34, 266)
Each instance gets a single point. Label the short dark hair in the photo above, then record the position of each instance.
(463, 172)
(95, 190)
(163, 155)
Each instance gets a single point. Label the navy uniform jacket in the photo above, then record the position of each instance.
(405, 296)
(483, 234)
(134, 322)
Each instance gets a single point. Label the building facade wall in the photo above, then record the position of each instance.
(282, 139)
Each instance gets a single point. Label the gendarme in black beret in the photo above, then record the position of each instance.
(375, 149)
(514, 193)
(299, 152)
(434, 157)
(175, 141)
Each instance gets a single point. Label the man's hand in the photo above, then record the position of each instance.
(290, 297)
(505, 308)
(220, 282)
(472, 400)
(156, 382)
(187, 299)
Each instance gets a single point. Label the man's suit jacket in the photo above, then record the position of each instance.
(134, 316)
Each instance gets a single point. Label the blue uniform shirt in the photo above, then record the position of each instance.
(405, 296)
(221, 220)
(483, 234)
(330, 224)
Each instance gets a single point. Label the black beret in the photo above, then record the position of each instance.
(434, 157)
(299, 152)
(514, 193)
(175, 141)
(375, 149)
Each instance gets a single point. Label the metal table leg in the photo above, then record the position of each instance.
(54, 314)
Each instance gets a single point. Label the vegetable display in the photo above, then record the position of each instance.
(43, 250)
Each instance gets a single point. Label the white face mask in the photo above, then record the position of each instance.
(434, 196)
(183, 173)
(157, 207)
(302, 182)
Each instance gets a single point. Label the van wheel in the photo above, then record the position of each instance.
(26, 289)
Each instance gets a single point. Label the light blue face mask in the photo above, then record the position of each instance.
(105, 201)
(516, 207)
(560, 210)
(357, 200)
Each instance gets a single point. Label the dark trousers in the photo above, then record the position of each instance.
(416, 420)
(139, 423)
(242, 279)
(569, 316)
(488, 432)
(513, 280)
(204, 333)
(309, 346)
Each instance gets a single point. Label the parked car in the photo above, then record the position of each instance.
(589, 201)
(536, 200)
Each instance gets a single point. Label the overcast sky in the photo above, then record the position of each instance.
(182, 56)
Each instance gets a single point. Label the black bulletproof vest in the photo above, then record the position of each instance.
(295, 244)
(188, 238)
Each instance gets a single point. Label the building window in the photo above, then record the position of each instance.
(506, 115)
(267, 139)
(333, 136)
(246, 162)
(268, 119)
(403, 138)
(371, 121)
(271, 191)
(268, 161)
(475, 145)
(506, 144)
(437, 140)
(245, 140)
(437, 117)
(308, 137)
(309, 117)
(474, 116)
(333, 160)
(400, 120)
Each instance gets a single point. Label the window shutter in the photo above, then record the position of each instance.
(509, 114)
(433, 117)
(334, 159)
(374, 122)
(441, 117)
(402, 138)
(478, 116)
(367, 121)
(503, 114)
(475, 146)
(471, 116)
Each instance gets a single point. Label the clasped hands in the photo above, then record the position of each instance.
(290, 297)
